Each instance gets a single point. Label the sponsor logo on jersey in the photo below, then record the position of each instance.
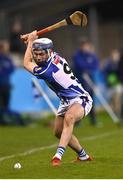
(57, 60)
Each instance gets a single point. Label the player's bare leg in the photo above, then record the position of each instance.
(75, 113)
(74, 143)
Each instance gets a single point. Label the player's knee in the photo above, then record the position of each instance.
(57, 133)
(69, 119)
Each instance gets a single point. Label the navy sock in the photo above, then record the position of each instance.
(82, 153)
(60, 152)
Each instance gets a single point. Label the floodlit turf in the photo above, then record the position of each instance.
(104, 144)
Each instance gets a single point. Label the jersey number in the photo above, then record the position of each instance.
(67, 70)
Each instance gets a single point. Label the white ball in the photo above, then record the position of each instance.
(17, 166)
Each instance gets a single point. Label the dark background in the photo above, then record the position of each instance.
(105, 27)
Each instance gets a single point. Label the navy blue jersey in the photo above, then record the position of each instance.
(6, 69)
(59, 77)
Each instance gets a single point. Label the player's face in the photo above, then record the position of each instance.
(40, 57)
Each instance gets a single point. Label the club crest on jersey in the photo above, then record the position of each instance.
(37, 70)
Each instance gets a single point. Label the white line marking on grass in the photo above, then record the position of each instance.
(90, 138)
(31, 151)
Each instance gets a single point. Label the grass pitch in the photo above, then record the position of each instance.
(31, 147)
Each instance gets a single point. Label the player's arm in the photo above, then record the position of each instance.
(28, 63)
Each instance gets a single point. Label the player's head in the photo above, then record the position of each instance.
(41, 50)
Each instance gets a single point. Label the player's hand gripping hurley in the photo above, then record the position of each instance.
(77, 18)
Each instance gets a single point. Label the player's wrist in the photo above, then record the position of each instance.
(30, 41)
(32, 36)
